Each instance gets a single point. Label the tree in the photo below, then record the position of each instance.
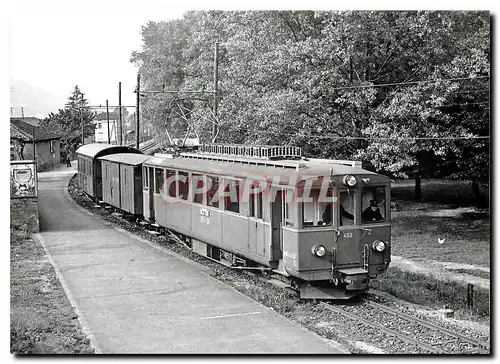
(407, 92)
(438, 127)
(67, 122)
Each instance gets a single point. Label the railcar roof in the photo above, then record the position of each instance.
(310, 170)
(126, 158)
(97, 149)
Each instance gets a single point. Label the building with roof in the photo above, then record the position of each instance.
(102, 126)
(24, 136)
(29, 120)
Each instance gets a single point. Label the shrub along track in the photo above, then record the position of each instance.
(314, 317)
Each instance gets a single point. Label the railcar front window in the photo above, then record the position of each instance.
(373, 205)
(346, 208)
(317, 208)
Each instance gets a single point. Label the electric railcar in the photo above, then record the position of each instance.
(322, 226)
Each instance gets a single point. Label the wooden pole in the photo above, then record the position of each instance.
(137, 110)
(81, 119)
(120, 112)
(107, 117)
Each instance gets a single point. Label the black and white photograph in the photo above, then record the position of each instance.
(297, 180)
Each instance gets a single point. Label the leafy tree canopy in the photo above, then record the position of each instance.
(67, 122)
(405, 91)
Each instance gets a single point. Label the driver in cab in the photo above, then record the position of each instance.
(372, 213)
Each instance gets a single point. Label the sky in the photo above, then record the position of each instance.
(57, 44)
(56, 48)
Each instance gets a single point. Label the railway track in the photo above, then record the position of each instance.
(423, 336)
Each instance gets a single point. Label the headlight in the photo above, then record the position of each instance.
(378, 246)
(318, 250)
(350, 180)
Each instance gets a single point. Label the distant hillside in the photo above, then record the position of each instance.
(37, 102)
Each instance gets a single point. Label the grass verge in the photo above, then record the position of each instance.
(429, 291)
(446, 214)
(42, 319)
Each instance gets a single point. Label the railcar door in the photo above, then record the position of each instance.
(349, 251)
(151, 193)
(276, 226)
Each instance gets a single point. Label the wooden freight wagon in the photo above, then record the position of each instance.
(122, 181)
(89, 166)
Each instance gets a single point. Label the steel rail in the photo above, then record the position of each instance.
(429, 325)
(386, 330)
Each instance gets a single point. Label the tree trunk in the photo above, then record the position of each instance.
(476, 193)
(418, 188)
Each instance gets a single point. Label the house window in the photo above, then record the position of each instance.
(99, 125)
(52, 149)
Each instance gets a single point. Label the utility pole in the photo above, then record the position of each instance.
(120, 112)
(107, 117)
(216, 79)
(138, 95)
(81, 119)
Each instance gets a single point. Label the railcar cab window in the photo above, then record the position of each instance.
(317, 209)
(198, 184)
(346, 208)
(213, 191)
(183, 183)
(373, 205)
(159, 180)
(232, 195)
